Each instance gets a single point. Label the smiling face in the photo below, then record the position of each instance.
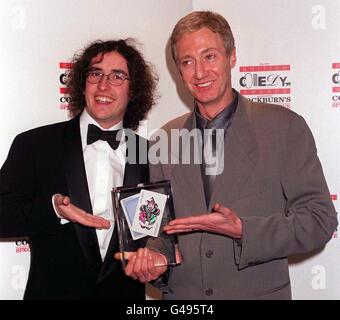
(206, 70)
(107, 103)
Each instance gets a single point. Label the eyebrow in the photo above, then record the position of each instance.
(112, 71)
(203, 52)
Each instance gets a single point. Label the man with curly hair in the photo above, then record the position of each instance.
(55, 184)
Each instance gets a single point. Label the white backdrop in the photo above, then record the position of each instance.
(296, 41)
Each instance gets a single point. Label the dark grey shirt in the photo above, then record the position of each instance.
(213, 143)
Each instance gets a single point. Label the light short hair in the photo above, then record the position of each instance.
(197, 20)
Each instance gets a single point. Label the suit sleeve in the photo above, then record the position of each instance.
(309, 218)
(23, 211)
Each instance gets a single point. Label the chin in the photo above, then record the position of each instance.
(205, 100)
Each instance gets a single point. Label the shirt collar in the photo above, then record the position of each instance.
(221, 120)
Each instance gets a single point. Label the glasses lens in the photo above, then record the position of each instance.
(116, 78)
(94, 76)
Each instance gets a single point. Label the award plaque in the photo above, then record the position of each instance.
(141, 211)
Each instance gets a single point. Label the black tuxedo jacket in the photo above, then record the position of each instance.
(65, 259)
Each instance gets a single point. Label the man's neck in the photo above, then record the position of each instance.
(211, 110)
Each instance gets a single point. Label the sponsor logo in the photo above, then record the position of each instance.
(21, 246)
(336, 85)
(266, 83)
(64, 99)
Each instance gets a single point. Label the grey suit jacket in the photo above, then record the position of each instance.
(273, 179)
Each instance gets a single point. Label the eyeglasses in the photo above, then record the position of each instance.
(115, 78)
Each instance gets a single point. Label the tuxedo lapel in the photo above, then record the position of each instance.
(78, 189)
(134, 173)
(138, 170)
(240, 157)
(110, 263)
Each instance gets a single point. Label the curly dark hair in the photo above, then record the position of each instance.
(143, 80)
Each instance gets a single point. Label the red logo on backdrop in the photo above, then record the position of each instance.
(65, 99)
(267, 83)
(336, 84)
(22, 246)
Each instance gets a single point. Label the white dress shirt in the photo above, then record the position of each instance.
(104, 170)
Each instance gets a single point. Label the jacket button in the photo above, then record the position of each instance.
(209, 292)
(209, 253)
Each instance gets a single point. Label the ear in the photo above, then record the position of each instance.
(232, 58)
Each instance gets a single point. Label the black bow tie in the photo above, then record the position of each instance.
(94, 133)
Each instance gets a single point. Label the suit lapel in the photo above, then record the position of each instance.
(240, 156)
(134, 173)
(187, 177)
(78, 190)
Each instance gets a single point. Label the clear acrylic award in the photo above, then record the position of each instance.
(141, 211)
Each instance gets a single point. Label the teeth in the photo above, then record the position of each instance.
(205, 84)
(103, 99)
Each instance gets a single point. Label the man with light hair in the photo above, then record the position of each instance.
(237, 227)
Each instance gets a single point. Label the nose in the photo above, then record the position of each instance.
(103, 83)
(200, 70)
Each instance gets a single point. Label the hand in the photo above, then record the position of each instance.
(144, 265)
(221, 220)
(70, 212)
